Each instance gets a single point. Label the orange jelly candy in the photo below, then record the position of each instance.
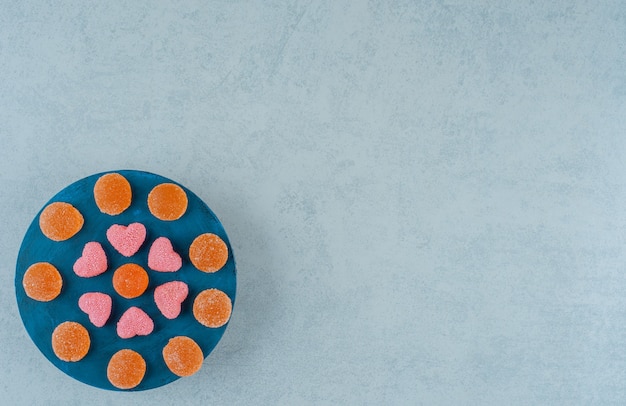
(212, 308)
(167, 202)
(183, 356)
(126, 369)
(112, 193)
(208, 253)
(60, 221)
(70, 341)
(130, 280)
(42, 282)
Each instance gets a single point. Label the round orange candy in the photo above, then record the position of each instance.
(130, 280)
(167, 202)
(60, 221)
(70, 341)
(42, 282)
(126, 369)
(212, 308)
(208, 253)
(112, 194)
(183, 356)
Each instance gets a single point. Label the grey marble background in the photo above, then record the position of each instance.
(426, 199)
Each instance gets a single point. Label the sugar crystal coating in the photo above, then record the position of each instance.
(162, 257)
(112, 194)
(42, 282)
(134, 322)
(70, 341)
(212, 308)
(127, 239)
(208, 253)
(183, 356)
(167, 202)
(169, 297)
(126, 369)
(97, 306)
(92, 262)
(60, 221)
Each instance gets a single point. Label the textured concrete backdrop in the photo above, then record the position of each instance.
(426, 199)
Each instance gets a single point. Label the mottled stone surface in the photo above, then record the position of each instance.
(426, 200)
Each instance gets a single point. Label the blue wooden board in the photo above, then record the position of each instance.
(40, 318)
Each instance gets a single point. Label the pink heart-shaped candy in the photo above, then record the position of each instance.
(134, 322)
(169, 297)
(97, 306)
(162, 257)
(93, 262)
(127, 239)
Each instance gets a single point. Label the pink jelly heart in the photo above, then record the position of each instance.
(97, 306)
(134, 322)
(169, 297)
(162, 257)
(93, 262)
(127, 239)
